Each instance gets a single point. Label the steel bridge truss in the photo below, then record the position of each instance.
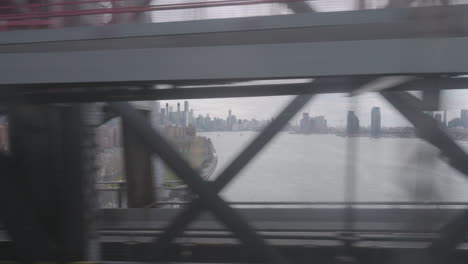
(429, 43)
(408, 105)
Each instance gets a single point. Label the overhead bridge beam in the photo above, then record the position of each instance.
(324, 59)
(422, 22)
(411, 41)
(67, 93)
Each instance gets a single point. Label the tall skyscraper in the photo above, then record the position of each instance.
(178, 116)
(304, 125)
(375, 121)
(186, 114)
(464, 118)
(353, 123)
(229, 120)
(207, 123)
(167, 111)
(163, 117)
(191, 117)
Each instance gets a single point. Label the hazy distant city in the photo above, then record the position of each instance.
(182, 116)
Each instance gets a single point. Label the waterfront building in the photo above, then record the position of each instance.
(178, 116)
(352, 123)
(207, 123)
(199, 122)
(229, 121)
(304, 123)
(376, 122)
(167, 111)
(163, 117)
(185, 118)
(318, 124)
(192, 118)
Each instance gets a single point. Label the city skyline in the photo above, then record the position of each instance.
(331, 105)
(364, 115)
(188, 118)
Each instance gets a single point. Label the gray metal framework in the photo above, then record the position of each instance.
(343, 64)
(407, 104)
(142, 91)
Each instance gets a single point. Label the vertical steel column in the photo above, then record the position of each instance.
(138, 168)
(47, 154)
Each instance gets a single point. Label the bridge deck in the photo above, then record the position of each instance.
(384, 220)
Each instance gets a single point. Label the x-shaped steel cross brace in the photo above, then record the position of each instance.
(208, 196)
(454, 232)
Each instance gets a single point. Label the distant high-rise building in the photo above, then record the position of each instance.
(191, 117)
(200, 122)
(308, 124)
(437, 115)
(376, 122)
(464, 118)
(318, 124)
(185, 118)
(352, 124)
(163, 117)
(304, 123)
(230, 121)
(233, 122)
(178, 120)
(207, 122)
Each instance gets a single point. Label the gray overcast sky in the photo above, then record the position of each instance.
(333, 106)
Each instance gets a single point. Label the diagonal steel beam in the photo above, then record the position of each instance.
(454, 232)
(428, 128)
(195, 208)
(298, 7)
(451, 234)
(207, 196)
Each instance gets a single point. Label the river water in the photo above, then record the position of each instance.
(313, 168)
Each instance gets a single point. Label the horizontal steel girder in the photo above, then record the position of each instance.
(423, 22)
(366, 57)
(66, 93)
(403, 41)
